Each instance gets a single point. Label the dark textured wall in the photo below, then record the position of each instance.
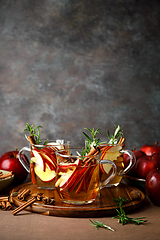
(66, 65)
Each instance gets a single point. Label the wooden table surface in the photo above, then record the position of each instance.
(28, 225)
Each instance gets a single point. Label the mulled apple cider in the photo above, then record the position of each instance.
(43, 163)
(78, 180)
(114, 153)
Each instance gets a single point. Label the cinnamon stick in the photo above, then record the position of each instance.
(8, 206)
(3, 204)
(32, 173)
(25, 205)
(94, 151)
(23, 194)
(122, 140)
(31, 139)
(6, 175)
(3, 199)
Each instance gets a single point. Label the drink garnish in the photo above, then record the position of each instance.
(123, 218)
(94, 142)
(98, 224)
(114, 139)
(34, 132)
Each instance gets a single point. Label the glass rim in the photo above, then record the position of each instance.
(55, 144)
(112, 144)
(58, 152)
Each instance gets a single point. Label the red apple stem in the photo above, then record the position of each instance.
(156, 143)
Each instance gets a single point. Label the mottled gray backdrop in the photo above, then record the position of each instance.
(68, 64)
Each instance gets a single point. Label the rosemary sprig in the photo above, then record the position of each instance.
(92, 141)
(114, 139)
(123, 218)
(98, 224)
(32, 131)
(120, 201)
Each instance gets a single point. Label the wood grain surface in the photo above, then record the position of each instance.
(103, 206)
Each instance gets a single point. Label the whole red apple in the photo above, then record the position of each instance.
(156, 159)
(150, 149)
(9, 161)
(143, 166)
(152, 186)
(126, 160)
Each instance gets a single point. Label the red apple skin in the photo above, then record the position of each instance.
(9, 161)
(143, 166)
(152, 186)
(150, 149)
(126, 160)
(156, 159)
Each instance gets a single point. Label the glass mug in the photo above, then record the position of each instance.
(43, 162)
(77, 179)
(114, 153)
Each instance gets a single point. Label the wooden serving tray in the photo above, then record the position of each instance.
(103, 206)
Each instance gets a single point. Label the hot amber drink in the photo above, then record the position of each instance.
(77, 180)
(114, 153)
(43, 163)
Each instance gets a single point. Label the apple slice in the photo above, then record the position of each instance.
(49, 161)
(84, 180)
(93, 177)
(111, 154)
(33, 159)
(65, 179)
(46, 176)
(69, 165)
(79, 175)
(50, 152)
(68, 178)
(40, 161)
(89, 176)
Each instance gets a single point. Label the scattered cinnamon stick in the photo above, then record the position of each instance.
(22, 195)
(6, 175)
(35, 197)
(8, 206)
(5, 204)
(3, 199)
(25, 205)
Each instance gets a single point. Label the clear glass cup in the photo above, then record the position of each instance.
(114, 153)
(43, 162)
(78, 178)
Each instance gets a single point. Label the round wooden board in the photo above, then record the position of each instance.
(103, 206)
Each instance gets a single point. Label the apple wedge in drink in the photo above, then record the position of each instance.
(78, 182)
(44, 162)
(77, 179)
(44, 167)
(112, 153)
(67, 175)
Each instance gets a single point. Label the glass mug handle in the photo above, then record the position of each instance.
(24, 163)
(131, 163)
(113, 174)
